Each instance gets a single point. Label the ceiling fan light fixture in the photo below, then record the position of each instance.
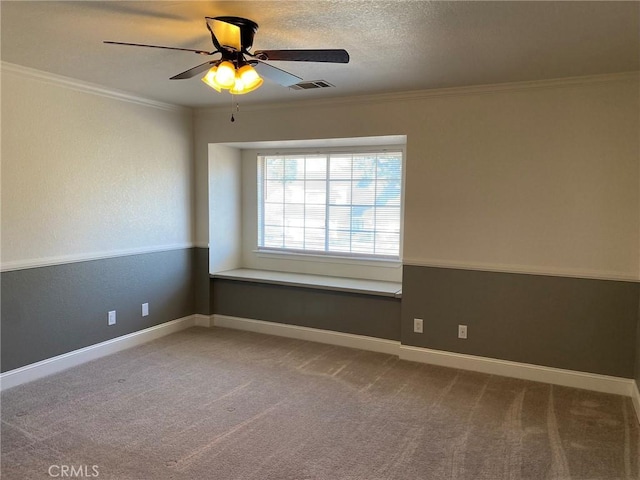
(225, 75)
(245, 79)
(238, 87)
(210, 79)
(232, 38)
(249, 78)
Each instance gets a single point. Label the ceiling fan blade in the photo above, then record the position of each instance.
(215, 41)
(224, 34)
(192, 72)
(330, 56)
(275, 74)
(200, 52)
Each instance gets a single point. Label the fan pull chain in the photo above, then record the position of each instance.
(232, 117)
(237, 107)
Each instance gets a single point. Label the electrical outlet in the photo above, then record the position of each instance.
(417, 325)
(462, 331)
(145, 309)
(111, 320)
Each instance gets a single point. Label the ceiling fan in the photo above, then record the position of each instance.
(237, 69)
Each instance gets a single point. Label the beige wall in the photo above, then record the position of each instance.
(541, 181)
(225, 207)
(539, 178)
(86, 174)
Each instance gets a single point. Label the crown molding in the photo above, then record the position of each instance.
(86, 87)
(95, 89)
(437, 92)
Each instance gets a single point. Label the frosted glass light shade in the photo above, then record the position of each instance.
(210, 79)
(225, 75)
(250, 78)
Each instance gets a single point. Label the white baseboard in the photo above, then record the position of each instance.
(361, 342)
(525, 371)
(635, 396)
(537, 373)
(556, 376)
(203, 320)
(62, 362)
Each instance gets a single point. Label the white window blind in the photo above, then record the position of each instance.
(334, 203)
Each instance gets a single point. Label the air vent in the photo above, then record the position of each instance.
(311, 85)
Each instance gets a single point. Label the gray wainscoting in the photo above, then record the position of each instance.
(202, 281)
(370, 315)
(48, 311)
(577, 324)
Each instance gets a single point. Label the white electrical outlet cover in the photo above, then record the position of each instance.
(418, 326)
(462, 331)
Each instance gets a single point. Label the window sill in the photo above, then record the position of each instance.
(309, 257)
(321, 282)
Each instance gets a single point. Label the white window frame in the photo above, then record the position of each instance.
(330, 256)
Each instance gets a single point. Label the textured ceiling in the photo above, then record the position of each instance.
(394, 45)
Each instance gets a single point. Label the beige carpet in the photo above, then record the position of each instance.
(224, 404)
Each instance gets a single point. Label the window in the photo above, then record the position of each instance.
(345, 204)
